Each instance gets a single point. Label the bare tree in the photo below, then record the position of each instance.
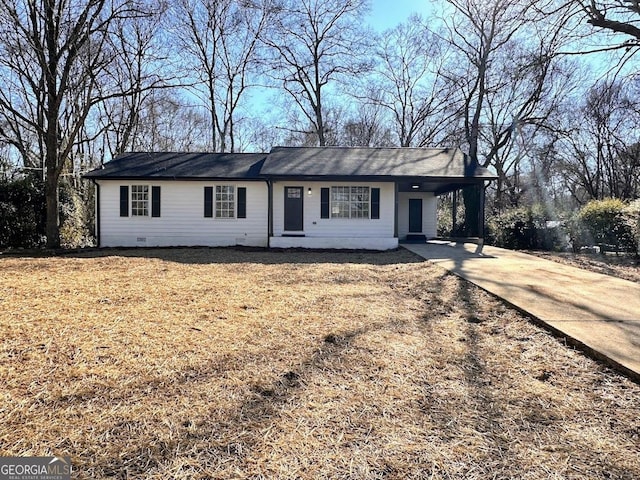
(137, 69)
(409, 84)
(619, 16)
(506, 76)
(168, 123)
(54, 60)
(315, 42)
(366, 127)
(220, 38)
(600, 157)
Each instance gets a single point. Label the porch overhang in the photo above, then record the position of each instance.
(436, 185)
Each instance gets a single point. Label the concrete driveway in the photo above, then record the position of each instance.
(598, 312)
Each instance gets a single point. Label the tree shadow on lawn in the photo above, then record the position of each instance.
(494, 409)
(227, 443)
(230, 255)
(495, 450)
(210, 447)
(572, 309)
(220, 442)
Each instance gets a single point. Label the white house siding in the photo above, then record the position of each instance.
(429, 213)
(182, 221)
(319, 232)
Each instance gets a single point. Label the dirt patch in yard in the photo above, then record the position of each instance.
(622, 266)
(214, 363)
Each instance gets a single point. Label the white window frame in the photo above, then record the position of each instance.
(140, 201)
(224, 202)
(350, 202)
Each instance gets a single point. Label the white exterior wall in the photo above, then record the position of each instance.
(181, 221)
(429, 214)
(319, 232)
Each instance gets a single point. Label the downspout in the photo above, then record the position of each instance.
(395, 209)
(269, 212)
(97, 210)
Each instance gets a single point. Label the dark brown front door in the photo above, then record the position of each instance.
(293, 209)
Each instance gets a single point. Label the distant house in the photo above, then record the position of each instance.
(324, 197)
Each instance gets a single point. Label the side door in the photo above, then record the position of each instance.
(415, 215)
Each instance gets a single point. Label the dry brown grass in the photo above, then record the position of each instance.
(204, 363)
(623, 266)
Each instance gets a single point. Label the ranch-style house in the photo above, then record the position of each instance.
(308, 197)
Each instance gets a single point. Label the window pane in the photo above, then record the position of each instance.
(139, 200)
(340, 202)
(350, 202)
(359, 202)
(225, 201)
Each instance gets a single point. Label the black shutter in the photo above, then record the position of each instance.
(324, 203)
(155, 201)
(124, 201)
(375, 203)
(208, 202)
(242, 202)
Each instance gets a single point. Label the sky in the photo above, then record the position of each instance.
(386, 14)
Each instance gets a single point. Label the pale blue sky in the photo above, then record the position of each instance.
(386, 14)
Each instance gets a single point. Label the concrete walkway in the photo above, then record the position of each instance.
(598, 312)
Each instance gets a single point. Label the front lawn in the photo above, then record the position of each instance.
(218, 363)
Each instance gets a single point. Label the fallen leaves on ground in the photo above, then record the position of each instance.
(223, 363)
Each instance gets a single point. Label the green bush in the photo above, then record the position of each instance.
(22, 212)
(524, 228)
(604, 223)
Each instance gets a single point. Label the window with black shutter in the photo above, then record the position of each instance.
(124, 200)
(155, 201)
(375, 203)
(242, 202)
(208, 202)
(324, 203)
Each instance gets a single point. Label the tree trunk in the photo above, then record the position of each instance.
(322, 142)
(471, 197)
(317, 101)
(498, 203)
(53, 219)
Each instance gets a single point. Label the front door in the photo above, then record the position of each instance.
(415, 215)
(293, 209)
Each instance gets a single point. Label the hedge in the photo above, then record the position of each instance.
(524, 228)
(609, 224)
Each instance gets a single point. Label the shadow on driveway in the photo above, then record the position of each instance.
(596, 312)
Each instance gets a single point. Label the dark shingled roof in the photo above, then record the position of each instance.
(170, 165)
(371, 162)
(300, 162)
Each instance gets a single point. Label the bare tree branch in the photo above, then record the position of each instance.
(314, 43)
